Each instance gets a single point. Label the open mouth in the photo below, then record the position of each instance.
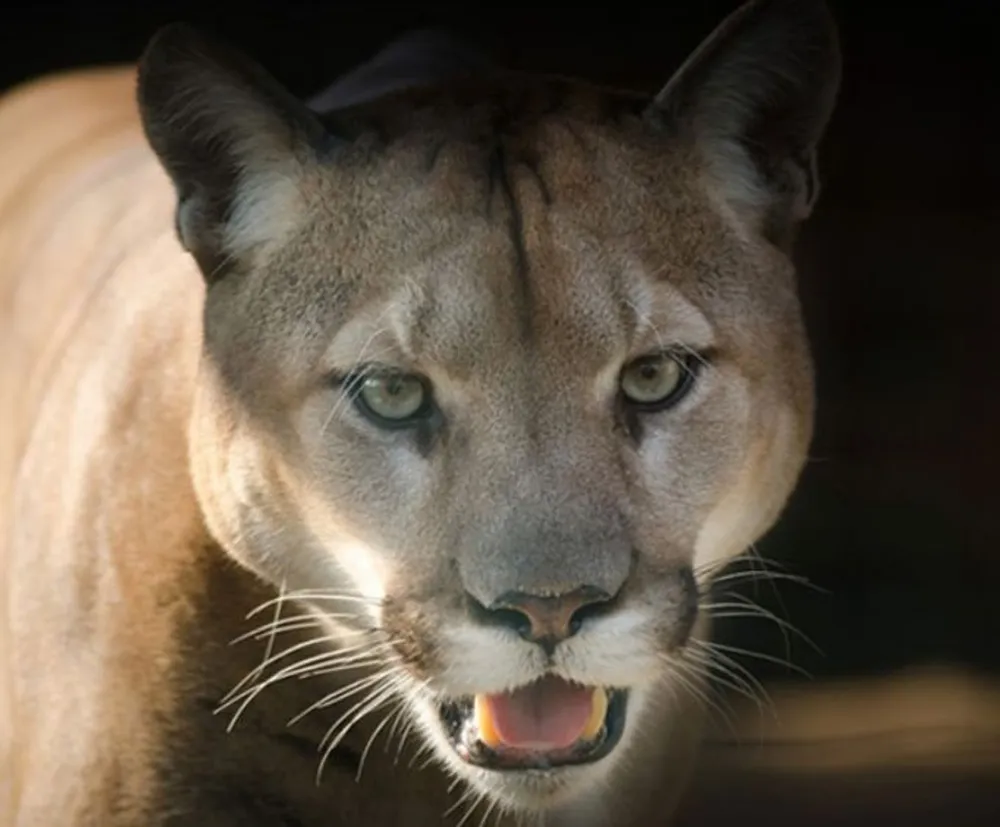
(546, 724)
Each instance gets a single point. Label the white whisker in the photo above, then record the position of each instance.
(334, 657)
(389, 716)
(722, 647)
(297, 623)
(691, 679)
(480, 798)
(345, 692)
(733, 675)
(371, 702)
(315, 595)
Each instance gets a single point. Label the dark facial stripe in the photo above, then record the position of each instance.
(500, 176)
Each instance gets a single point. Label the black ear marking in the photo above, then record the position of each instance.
(230, 137)
(756, 97)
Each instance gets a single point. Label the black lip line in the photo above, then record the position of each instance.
(454, 716)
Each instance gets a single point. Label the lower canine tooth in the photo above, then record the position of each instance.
(484, 722)
(598, 712)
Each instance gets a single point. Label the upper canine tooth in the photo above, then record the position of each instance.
(598, 712)
(484, 722)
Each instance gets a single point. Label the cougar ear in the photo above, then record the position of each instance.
(755, 97)
(233, 140)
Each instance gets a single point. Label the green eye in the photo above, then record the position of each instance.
(393, 398)
(655, 382)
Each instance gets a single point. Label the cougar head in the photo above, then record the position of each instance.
(503, 368)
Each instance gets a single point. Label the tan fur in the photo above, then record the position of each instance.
(87, 214)
(158, 433)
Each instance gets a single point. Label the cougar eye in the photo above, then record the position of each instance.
(656, 382)
(390, 398)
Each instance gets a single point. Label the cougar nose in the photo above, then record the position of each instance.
(544, 620)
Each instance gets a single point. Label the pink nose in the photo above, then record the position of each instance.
(546, 620)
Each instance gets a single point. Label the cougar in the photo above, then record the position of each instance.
(367, 459)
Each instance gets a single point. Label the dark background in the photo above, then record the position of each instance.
(896, 517)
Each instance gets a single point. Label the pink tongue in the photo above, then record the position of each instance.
(548, 715)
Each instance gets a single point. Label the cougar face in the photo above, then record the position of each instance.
(499, 372)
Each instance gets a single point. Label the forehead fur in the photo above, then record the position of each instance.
(538, 206)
